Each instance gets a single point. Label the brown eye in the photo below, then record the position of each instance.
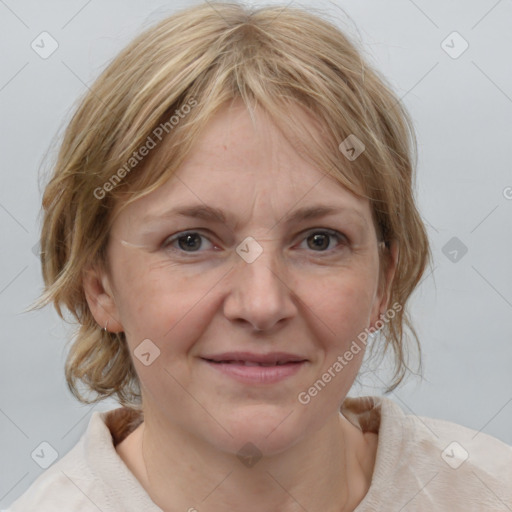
(191, 241)
(321, 241)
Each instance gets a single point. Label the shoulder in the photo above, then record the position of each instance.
(431, 464)
(474, 468)
(66, 485)
(459, 447)
(454, 464)
(89, 477)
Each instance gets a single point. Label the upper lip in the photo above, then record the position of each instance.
(271, 358)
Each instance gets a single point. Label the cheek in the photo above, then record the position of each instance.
(163, 303)
(343, 303)
(346, 308)
(173, 315)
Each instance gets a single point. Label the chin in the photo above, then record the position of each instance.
(270, 429)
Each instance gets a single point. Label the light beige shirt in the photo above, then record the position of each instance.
(422, 464)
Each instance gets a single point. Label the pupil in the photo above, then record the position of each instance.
(320, 241)
(192, 241)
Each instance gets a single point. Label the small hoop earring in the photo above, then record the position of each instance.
(105, 328)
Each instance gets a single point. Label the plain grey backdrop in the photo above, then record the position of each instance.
(450, 64)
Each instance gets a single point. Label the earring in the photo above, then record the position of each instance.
(105, 328)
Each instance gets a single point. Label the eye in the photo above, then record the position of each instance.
(189, 241)
(324, 240)
(320, 240)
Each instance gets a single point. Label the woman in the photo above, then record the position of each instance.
(230, 219)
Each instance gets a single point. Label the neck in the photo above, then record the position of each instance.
(329, 470)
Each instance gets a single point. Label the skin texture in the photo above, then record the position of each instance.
(309, 297)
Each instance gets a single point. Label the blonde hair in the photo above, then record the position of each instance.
(273, 57)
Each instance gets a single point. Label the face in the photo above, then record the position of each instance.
(288, 278)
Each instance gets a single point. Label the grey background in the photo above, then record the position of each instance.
(462, 108)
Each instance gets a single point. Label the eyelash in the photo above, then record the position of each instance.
(341, 238)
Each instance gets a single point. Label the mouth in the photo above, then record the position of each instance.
(252, 363)
(256, 368)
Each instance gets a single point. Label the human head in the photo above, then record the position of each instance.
(204, 58)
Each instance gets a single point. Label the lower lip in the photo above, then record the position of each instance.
(257, 374)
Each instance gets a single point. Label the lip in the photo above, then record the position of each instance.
(244, 366)
(251, 357)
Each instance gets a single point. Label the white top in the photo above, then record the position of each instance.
(422, 464)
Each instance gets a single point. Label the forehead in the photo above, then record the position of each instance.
(240, 163)
(251, 142)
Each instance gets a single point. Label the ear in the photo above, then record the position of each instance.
(101, 301)
(390, 259)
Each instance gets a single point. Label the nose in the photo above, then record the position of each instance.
(260, 293)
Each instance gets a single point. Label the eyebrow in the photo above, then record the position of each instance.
(212, 214)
